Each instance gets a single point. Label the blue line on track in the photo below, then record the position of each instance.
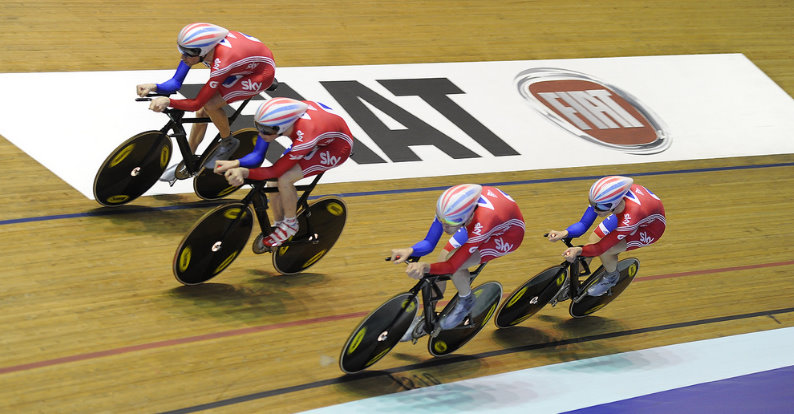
(123, 210)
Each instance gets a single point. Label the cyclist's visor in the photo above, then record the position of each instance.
(266, 130)
(449, 223)
(189, 51)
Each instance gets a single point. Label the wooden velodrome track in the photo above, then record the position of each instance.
(93, 320)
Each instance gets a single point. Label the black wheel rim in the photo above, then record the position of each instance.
(378, 333)
(328, 216)
(132, 168)
(488, 296)
(213, 243)
(590, 304)
(211, 186)
(530, 297)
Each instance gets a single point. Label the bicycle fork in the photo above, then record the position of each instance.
(431, 294)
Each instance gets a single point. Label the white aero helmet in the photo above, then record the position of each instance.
(456, 204)
(278, 114)
(198, 39)
(607, 192)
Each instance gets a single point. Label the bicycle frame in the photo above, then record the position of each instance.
(175, 121)
(578, 269)
(431, 294)
(258, 197)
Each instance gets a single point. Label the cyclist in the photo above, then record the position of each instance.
(634, 218)
(321, 140)
(240, 67)
(485, 223)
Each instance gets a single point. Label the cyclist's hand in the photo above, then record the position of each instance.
(236, 176)
(417, 269)
(401, 255)
(221, 166)
(159, 103)
(571, 253)
(145, 89)
(555, 235)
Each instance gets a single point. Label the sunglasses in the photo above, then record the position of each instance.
(602, 207)
(189, 51)
(266, 130)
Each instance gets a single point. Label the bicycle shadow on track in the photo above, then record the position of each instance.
(590, 325)
(517, 336)
(277, 280)
(248, 303)
(569, 338)
(161, 220)
(425, 371)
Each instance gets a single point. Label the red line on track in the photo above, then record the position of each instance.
(255, 329)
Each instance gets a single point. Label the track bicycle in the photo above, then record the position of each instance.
(218, 237)
(383, 328)
(563, 282)
(136, 165)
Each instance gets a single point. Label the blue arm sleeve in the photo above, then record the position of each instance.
(257, 156)
(579, 228)
(460, 237)
(610, 223)
(431, 240)
(172, 85)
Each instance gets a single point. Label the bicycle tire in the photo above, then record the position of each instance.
(210, 186)
(378, 333)
(588, 305)
(450, 340)
(132, 168)
(213, 243)
(531, 297)
(328, 216)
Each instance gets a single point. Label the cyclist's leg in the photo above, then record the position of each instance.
(214, 109)
(610, 257)
(284, 207)
(318, 160)
(274, 201)
(288, 195)
(643, 237)
(605, 227)
(462, 281)
(461, 277)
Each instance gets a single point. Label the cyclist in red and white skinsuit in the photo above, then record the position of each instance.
(240, 67)
(485, 223)
(321, 140)
(634, 218)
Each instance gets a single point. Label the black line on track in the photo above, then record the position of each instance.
(462, 358)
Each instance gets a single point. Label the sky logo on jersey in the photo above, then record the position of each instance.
(593, 110)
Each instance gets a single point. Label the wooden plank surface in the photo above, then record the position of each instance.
(95, 322)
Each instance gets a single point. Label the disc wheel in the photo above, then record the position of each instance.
(132, 168)
(488, 295)
(211, 186)
(589, 304)
(530, 297)
(212, 243)
(328, 216)
(378, 333)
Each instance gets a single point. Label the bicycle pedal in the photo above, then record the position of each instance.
(259, 247)
(181, 172)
